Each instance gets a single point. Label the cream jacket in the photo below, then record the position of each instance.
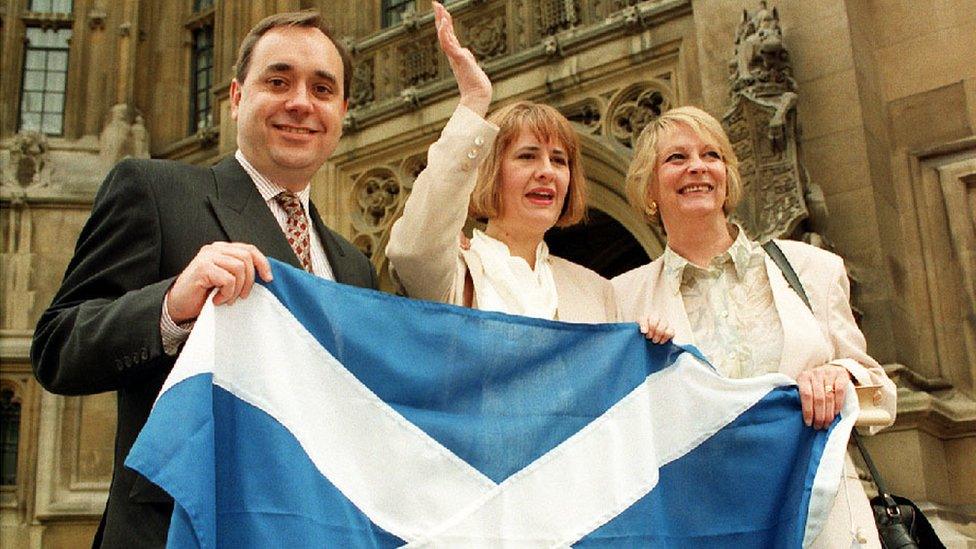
(827, 335)
(423, 247)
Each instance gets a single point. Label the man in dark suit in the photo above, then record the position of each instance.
(162, 235)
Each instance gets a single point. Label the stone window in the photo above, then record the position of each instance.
(9, 436)
(45, 76)
(201, 28)
(393, 11)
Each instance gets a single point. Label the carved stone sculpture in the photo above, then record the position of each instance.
(779, 200)
(636, 110)
(28, 159)
(124, 135)
(487, 39)
(362, 92)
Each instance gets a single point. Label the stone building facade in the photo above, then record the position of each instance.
(882, 125)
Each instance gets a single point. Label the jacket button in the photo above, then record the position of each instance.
(118, 365)
(127, 361)
(479, 141)
(472, 154)
(145, 354)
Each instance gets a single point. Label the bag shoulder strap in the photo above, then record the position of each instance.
(779, 258)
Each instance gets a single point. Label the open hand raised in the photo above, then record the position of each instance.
(472, 82)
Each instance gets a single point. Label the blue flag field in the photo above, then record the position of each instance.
(313, 414)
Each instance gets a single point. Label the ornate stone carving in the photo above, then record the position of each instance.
(586, 113)
(761, 64)
(557, 15)
(550, 45)
(362, 92)
(124, 135)
(635, 108)
(28, 160)
(377, 196)
(411, 168)
(773, 203)
(365, 244)
(779, 200)
(418, 62)
(488, 40)
(376, 193)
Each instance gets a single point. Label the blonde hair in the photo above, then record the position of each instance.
(642, 173)
(545, 123)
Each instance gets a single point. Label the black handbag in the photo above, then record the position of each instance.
(900, 523)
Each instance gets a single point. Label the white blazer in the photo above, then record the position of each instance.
(828, 334)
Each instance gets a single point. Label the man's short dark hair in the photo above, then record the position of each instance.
(305, 18)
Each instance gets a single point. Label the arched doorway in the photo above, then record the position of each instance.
(615, 238)
(601, 244)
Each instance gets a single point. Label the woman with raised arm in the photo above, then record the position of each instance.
(721, 292)
(521, 170)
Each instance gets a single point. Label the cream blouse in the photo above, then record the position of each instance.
(730, 308)
(509, 285)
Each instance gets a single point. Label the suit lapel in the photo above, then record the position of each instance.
(244, 216)
(803, 341)
(664, 300)
(674, 306)
(333, 252)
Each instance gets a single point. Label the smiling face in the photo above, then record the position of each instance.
(290, 106)
(690, 177)
(534, 181)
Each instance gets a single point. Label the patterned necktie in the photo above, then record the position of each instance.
(296, 228)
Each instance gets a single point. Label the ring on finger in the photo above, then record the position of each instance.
(828, 389)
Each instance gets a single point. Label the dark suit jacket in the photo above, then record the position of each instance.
(101, 333)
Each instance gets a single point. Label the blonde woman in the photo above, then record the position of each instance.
(720, 292)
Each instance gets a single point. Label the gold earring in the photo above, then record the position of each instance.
(652, 208)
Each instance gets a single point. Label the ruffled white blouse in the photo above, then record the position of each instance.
(730, 308)
(509, 285)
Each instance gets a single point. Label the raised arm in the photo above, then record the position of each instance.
(473, 84)
(423, 246)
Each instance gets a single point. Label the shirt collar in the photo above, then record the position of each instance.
(266, 188)
(743, 253)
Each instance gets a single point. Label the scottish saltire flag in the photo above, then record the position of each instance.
(313, 414)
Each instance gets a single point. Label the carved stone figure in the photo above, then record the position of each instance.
(362, 84)
(140, 138)
(28, 159)
(124, 135)
(779, 201)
